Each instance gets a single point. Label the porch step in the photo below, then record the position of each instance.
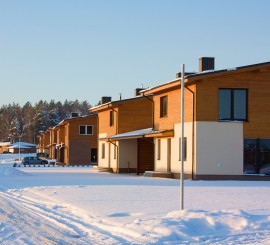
(159, 174)
(103, 169)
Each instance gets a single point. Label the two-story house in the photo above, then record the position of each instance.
(44, 142)
(77, 140)
(121, 126)
(74, 140)
(227, 133)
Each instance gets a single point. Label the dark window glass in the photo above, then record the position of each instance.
(86, 130)
(163, 106)
(224, 103)
(89, 129)
(185, 149)
(159, 149)
(240, 102)
(82, 129)
(111, 118)
(233, 104)
(103, 150)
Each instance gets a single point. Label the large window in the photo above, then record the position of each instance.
(86, 129)
(163, 106)
(233, 104)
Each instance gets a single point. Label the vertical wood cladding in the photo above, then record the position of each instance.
(174, 108)
(145, 155)
(258, 84)
(136, 114)
(129, 115)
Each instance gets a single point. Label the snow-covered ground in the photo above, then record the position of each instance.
(61, 205)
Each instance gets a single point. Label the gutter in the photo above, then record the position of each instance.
(152, 108)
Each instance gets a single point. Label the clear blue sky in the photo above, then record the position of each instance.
(63, 49)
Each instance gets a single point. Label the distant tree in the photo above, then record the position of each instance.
(25, 123)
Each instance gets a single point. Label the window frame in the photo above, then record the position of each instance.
(232, 105)
(185, 149)
(158, 149)
(103, 151)
(86, 129)
(163, 106)
(111, 118)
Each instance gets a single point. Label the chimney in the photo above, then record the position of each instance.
(74, 114)
(206, 63)
(105, 99)
(137, 91)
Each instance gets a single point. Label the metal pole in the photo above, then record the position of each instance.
(19, 149)
(182, 138)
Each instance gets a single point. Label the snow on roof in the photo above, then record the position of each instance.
(135, 134)
(22, 144)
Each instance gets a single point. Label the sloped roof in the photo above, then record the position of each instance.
(200, 75)
(115, 103)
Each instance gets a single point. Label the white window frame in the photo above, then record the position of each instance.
(85, 129)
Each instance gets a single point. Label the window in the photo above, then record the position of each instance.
(103, 150)
(111, 118)
(233, 104)
(185, 149)
(163, 106)
(158, 149)
(114, 152)
(86, 129)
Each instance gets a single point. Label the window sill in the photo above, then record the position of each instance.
(233, 121)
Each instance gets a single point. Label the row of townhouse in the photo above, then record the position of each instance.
(227, 134)
(73, 141)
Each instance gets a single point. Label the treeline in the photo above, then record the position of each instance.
(25, 122)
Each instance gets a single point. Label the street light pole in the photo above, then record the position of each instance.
(19, 149)
(182, 137)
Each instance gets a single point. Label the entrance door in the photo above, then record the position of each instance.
(145, 155)
(93, 155)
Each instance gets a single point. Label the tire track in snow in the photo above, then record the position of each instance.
(105, 231)
(32, 223)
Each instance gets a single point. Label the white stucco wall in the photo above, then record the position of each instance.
(128, 153)
(162, 163)
(176, 162)
(219, 148)
(103, 162)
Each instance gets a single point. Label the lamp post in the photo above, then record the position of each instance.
(19, 149)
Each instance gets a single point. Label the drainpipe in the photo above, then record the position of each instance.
(193, 118)
(152, 108)
(117, 158)
(116, 112)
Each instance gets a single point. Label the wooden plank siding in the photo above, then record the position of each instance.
(78, 147)
(174, 107)
(129, 115)
(258, 84)
(135, 115)
(145, 155)
(104, 121)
